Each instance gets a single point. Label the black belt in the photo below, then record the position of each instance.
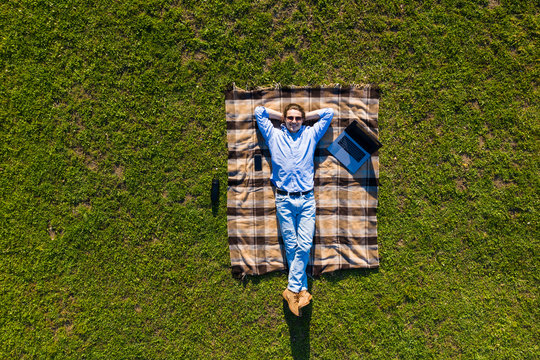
(297, 193)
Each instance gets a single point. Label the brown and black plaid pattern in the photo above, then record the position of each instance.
(346, 222)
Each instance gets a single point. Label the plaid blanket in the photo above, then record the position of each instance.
(346, 221)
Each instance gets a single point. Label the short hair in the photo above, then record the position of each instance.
(293, 106)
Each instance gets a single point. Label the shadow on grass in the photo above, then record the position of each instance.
(299, 331)
(215, 208)
(256, 279)
(299, 326)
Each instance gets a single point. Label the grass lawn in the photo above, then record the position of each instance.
(112, 124)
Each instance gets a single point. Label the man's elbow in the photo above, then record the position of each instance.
(328, 113)
(261, 112)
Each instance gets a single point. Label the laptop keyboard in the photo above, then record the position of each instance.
(351, 148)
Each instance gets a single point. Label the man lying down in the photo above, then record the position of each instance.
(292, 149)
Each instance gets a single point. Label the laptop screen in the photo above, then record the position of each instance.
(360, 134)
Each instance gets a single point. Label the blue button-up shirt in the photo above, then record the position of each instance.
(292, 153)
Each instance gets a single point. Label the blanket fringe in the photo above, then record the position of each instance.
(277, 86)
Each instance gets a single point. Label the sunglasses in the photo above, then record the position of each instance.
(297, 118)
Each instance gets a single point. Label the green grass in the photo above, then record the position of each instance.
(113, 126)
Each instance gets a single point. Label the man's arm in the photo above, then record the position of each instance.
(312, 115)
(263, 116)
(325, 115)
(274, 115)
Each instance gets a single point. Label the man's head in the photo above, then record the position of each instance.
(294, 116)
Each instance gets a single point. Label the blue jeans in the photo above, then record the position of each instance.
(296, 216)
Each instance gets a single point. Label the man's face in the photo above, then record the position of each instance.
(294, 120)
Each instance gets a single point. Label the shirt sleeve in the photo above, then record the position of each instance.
(263, 122)
(324, 122)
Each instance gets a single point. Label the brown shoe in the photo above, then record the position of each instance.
(292, 300)
(304, 297)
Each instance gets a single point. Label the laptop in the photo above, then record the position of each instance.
(354, 146)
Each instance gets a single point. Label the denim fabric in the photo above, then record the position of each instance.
(296, 215)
